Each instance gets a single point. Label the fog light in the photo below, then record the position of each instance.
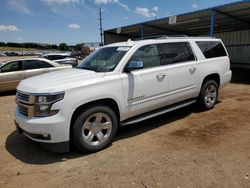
(43, 107)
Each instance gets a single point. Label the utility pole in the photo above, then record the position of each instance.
(101, 28)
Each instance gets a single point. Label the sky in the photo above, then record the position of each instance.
(76, 21)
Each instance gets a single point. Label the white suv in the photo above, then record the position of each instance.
(120, 84)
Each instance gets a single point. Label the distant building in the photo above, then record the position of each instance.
(92, 45)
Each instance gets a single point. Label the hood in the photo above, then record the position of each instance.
(59, 81)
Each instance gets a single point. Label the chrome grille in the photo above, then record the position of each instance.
(25, 104)
(23, 110)
(22, 96)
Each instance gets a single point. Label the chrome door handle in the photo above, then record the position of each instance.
(161, 76)
(192, 70)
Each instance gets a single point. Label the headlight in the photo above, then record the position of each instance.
(44, 102)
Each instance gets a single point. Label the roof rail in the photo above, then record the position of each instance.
(168, 37)
(160, 37)
(152, 37)
(129, 40)
(182, 35)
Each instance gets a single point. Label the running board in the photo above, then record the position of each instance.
(157, 112)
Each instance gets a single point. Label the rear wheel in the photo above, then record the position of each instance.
(95, 128)
(208, 95)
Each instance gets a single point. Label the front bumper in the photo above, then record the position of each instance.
(53, 129)
(51, 133)
(60, 147)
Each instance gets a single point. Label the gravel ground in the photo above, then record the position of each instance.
(10, 58)
(184, 148)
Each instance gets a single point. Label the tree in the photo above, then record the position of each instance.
(54, 46)
(78, 47)
(63, 47)
(2, 44)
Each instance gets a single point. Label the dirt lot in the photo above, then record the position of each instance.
(184, 148)
(7, 58)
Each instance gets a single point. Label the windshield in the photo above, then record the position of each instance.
(104, 59)
(2, 63)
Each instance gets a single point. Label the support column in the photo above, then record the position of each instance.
(142, 31)
(212, 17)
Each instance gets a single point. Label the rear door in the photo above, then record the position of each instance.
(182, 70)
(33, 68)
(11, 74)
(47, 67)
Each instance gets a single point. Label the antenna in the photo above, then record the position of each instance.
(100, 24)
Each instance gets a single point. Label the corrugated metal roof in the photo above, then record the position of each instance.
(229, 17)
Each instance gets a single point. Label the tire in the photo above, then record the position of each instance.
(95, 128)
(208, 95)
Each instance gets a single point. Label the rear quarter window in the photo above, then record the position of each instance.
(44, 64)
(55, 57)
(211, 49)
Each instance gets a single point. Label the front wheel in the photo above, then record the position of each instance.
(208, 95)
(95, 128)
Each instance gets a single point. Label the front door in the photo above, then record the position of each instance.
(10, 75)
(145, 89)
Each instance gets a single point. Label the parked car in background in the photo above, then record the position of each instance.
(12, 72)
(79, 55)
(2, 54)
(11, 54)
(61, 58)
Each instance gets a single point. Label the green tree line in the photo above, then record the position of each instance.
(61, 46)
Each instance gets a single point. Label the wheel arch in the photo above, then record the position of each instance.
(213, 76)
(109, 102)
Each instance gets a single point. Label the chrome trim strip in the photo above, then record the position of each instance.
(30, 108)
(43, 94)
(157, 113)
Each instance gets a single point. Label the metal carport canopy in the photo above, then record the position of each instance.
(229, 17)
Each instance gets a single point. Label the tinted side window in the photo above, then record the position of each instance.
(51, 57)
(46, 57)
(175, 53)
(149, 55)
(12, 66)
(44, 64)
(212, 49)
(30, 64)
(56, 57)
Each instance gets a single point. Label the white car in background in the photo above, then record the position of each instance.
(2, 54)
(61, 58)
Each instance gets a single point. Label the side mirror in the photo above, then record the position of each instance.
(134, 65)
